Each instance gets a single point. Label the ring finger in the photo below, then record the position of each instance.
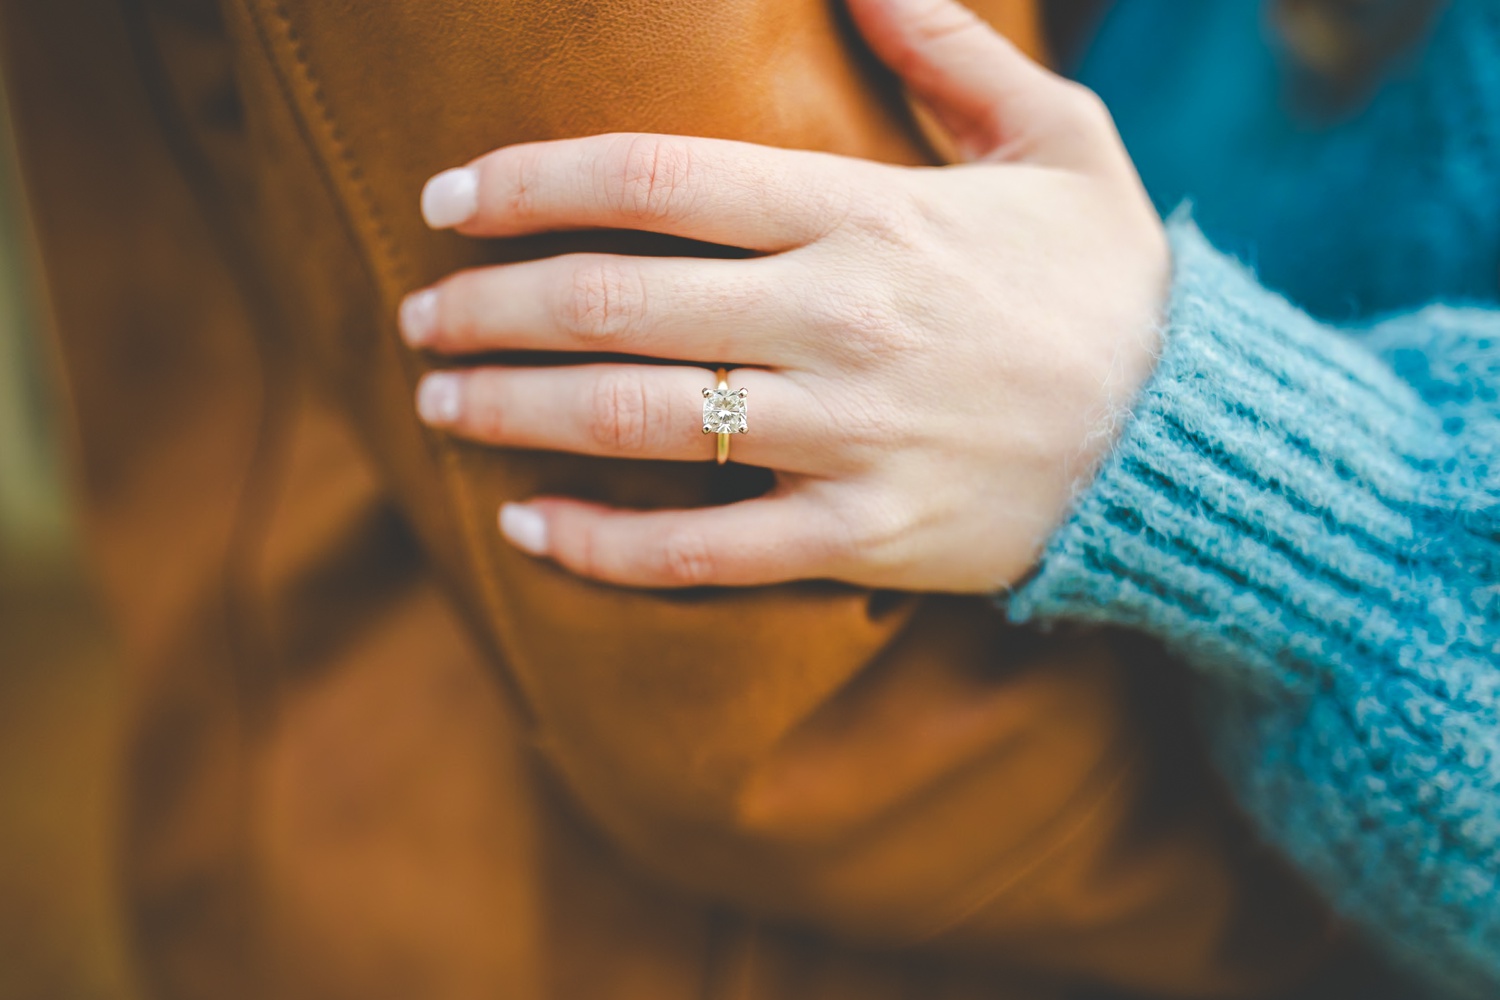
(628, 411)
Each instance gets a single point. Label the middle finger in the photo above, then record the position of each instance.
(737, 311)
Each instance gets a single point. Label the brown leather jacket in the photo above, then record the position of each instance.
(378, 753)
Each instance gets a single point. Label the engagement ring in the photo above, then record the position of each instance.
(724, 413)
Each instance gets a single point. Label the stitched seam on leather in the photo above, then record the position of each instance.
(383, 259)
(395, 272)
(378, 251)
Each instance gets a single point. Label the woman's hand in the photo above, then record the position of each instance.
(934, 357)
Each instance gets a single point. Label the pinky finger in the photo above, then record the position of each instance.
(767, 540)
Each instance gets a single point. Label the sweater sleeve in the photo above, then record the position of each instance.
(1310, 517)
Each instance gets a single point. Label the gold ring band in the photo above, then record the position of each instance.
(721, 453)
(724, 414)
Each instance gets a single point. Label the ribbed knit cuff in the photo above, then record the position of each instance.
(1250, 512)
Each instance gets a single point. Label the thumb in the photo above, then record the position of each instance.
(995, 101)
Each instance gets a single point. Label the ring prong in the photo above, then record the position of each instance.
(707, 393)
(744, 393)
(706, 429)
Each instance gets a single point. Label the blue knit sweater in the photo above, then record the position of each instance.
(1305, 505)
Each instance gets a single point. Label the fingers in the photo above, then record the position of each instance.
(762, 541)
(628, 411)
(712, 190)
(737, 312)
(997, 102)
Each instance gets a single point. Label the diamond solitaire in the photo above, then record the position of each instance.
(724, 413)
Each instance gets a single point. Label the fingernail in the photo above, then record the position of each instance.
(450, 198)
(438, 398)
(526, 529)
(418, 317)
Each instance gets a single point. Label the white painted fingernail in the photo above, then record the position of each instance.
(451, 198)
(418, 317)
(438, 398)
(526, 529)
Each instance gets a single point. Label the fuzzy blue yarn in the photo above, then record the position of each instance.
(1305, 504)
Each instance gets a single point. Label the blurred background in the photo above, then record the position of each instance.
(61, 696)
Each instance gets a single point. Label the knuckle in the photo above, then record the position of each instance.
(841, 532)
(603, 304)
(940, 24)
(486, 423)
(878, 533)
(868, 327)
(586, 555)
(459, 306)
(871, 429)
(687, 559)
(944, 21)
(1087, 107)
(522, 175)
(649, 177)
(890, 223)
(621, 419)
(480, 416)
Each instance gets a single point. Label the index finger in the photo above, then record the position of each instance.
(713, 190)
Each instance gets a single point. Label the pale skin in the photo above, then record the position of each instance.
(935, 358)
